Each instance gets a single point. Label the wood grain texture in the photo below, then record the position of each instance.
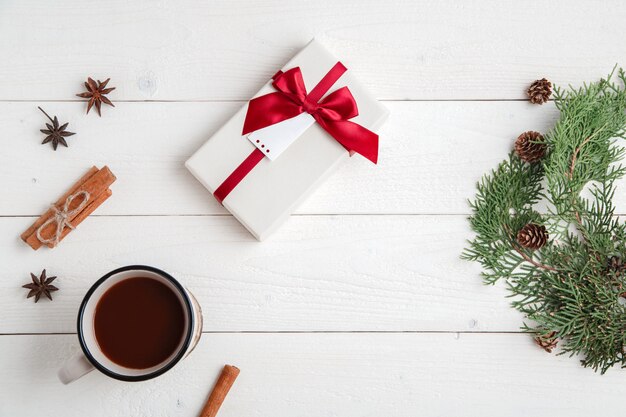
(334, 307)
(431, 156)
(318, 273)
(218, 50)
(400, 375)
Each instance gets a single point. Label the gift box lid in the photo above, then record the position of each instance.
(268, 194)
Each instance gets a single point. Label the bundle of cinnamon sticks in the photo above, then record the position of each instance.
(86, 195)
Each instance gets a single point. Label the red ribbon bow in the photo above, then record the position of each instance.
(290, 100)
(332, 113)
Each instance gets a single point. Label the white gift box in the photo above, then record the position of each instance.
(303, 153)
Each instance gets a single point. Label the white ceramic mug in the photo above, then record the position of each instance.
(92, 356)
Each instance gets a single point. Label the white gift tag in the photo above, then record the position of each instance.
(273, 140)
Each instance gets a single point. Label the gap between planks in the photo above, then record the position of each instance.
(19, 216)
(303, 332)
(8, 216)
(384, 100)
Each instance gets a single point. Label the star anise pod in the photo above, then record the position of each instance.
(42, 285)
(96, 94)
(56, 134)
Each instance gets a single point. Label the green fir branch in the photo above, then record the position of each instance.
(567, 289)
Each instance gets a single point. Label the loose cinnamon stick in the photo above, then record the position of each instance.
(96, 182)
(220, 390)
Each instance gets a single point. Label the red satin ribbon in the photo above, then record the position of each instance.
(291, 99)
(238, 174)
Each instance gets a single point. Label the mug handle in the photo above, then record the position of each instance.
(74, 368)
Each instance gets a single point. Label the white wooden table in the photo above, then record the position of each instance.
(359, 305)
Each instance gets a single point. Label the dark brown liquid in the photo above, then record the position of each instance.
(139, 322)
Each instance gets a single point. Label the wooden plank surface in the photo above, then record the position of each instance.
(432, 154)
(318, 273)
(360, 305)
(220, 50)
(400, 375)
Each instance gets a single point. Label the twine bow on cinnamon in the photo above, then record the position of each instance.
(71, 209)
(62, 217)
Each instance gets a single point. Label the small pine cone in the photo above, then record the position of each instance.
(532, 236)
(547, 342)
(539, 91)
(530, 146)
(614, 264)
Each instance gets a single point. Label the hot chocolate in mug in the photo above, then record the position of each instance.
(134, 324)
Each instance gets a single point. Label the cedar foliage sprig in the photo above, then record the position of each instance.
(567, 290)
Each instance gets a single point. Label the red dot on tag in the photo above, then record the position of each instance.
(257, 141)
(262, 146)
(268, 151)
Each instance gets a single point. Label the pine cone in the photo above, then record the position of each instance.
(547, 342)
(530, 146)
(539, 91)
(615, 264)
(532, 236)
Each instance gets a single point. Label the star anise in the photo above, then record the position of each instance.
(56, 134)
(41, 285)
(96, 94)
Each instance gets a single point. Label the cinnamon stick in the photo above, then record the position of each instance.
(42, 219)
(96, 182)
(220, 390)
(86, 212)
